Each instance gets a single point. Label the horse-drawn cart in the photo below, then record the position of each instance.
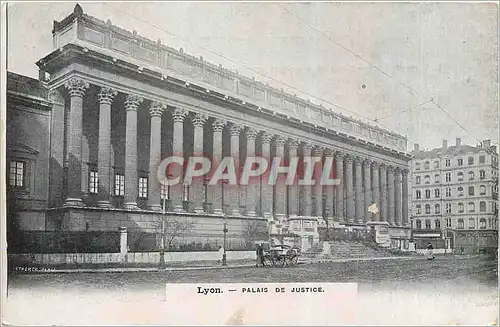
(281, 256)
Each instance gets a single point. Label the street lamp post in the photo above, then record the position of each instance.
(224, 263)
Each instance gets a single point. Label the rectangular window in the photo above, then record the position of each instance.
(119, 184)
(93, 182)
(472, 223)
(460, 162)
(482, 159)
(16, 173)
(471, 190)
(470, 160)
(448, 222)
(460, 224)
(447, 163)
(448, 207)
(448, 191)
(448, 177)
(143, 187)
(427, 224)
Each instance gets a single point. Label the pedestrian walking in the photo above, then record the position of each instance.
(430, 254)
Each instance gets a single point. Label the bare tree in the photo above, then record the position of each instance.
(172, 229)
(254, 231)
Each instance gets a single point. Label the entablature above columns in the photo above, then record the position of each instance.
(272, 125)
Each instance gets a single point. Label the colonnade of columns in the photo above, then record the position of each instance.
(363, 181)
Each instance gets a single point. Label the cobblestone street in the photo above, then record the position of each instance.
(447, 284)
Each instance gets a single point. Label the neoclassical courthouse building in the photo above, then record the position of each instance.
(84, 142)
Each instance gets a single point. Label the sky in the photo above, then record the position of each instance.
(423, 70)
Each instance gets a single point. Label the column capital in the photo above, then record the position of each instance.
(218, 125)
(390, 169)
(266, 137)
(179, 114)
(358, 161)
(339, 155)
(367, 163)
(375, 165)
(199, 120)
(383, 167)
(76, 86)
(106, 95)
(328, 152)
(349, 158)
(280, 140)
(157, 109)
(398, 170)
(307, 146)
(235, 129)
(404, 172)
(132, 102)
(251, 134)
(318, 151)
(55, 96)
(293, 144)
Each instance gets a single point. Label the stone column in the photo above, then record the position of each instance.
(154, 186)
(123, 243)
(280, 188)
(349, 189)
(360, 212)
(76, 88)
(318, 187)
(339, 189)
(383, 192)
(252, 188)
(233, 190)
(197, 189)
(177, 191)
(376, 189)
(293, 197)
(405, 198)
(399, 212)
(216, 190)
(266, 189)
(106, 97)
(390, 191)
(306, 198)
(367, 183)
(131, 182)
(329, 190)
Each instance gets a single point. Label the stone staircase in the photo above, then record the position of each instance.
(348, 249)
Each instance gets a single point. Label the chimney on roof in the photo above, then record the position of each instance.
(445, 145)
(458, 142)
(415, 147)
(486, 144)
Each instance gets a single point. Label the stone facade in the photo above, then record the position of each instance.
(455, 195)
(121, 103)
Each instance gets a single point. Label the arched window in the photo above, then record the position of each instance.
(418, 209)
(471, 175)
(436, 178)
(428, 224)
(427, 209)
(437, 223)
(482, 190)
(418, 194)
(482, 174)
(427, 194)
(460, 224)
(460, 190)
(436, 193)
(437, 208)
(427, 165)
(472, 223)
(471, 160)
(472, 207)
(419, 224)
(417, 180)
(460, 176)
(482, 223)
(460, 207)
(436, 164)
(427, 179)
(482, 206)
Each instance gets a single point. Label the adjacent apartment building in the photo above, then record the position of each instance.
(455, 197)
